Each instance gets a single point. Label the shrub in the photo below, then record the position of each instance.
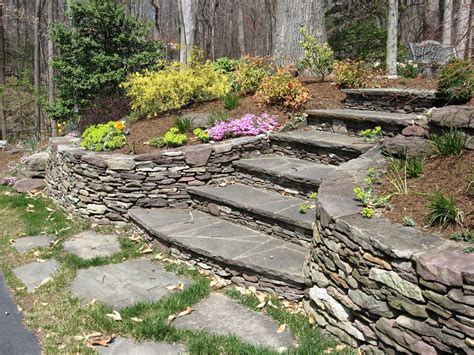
(443, 211)
(318, 59)
(250, 73)
(158, 142)
(450, 142)
(216, 117)
(106, 136)
(456, 81)
(408, 69)
(226, 65)
(172, 138)
(175, 86)
(248, 125)
(201, 135)
(351, 74)
(183, 124)
(371, 134)
(282, 89)
(231, 101)
(102, 110)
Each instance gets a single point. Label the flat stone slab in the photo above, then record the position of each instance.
(220, 315)
(225, 242)
(90, 244)
(15, 338)
(122, 285)
(258, 201)
(375, 117)
(26, 244)
(123, 346)
(29, 185)
(298, 170)
(32, 275)
(327, 140)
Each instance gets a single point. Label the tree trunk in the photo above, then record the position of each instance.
(431, 22)
(392, 38)
(3, 123)
(51, 87)
(291, 16)
(37, 67)
(447, 22)
(462, 27)
(240, 20)
(188, 28)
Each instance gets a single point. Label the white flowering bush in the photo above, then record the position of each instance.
(408, 69)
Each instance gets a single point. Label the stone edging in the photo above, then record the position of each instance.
(104, 186)
(378, 285)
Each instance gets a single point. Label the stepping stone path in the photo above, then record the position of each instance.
(89, 245)
(122, 285)
(122, 346)
(34, 274)
(220, 315)
(26, 244)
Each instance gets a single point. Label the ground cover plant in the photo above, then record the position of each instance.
(107, 136)
(248, 125)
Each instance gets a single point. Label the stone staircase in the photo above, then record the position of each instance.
(249, 228)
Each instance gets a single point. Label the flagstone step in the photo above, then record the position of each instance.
(228, 249)
(318, 146)
(260, 209)
(301, 176)
(352, 121)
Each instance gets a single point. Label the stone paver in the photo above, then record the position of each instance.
(15, 339)
(122, 285)
(26, 244)
(220, 315)
(122, 346)
(218, 239)
(29, 185)
(90, 245)
(261, 202)
(32, 275)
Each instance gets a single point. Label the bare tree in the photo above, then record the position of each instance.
(447, 22)
(240, 21)
(37, 66)
(462, 27)
(3, 123)
(51, 86)
(392, 24)
(188, 28)
(431, 23)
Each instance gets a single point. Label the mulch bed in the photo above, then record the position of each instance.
(448, 175)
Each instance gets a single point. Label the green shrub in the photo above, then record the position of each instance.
(216, 117)
(226, 65)
(282, 89)
(452, 142)
(173, 138)
(201, 135)
(456, 81)
(175, 86)
(183, 124)
(158, 142)
(464, 235)
(318, 59)
(443, 211)
(408, 69)
(107, 136)
(250, 73)
(231, 101)
(371, 134)
(351, 74)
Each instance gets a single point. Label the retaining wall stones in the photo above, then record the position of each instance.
(103, 186)
(381, 286)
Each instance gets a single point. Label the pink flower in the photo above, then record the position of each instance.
(248, 125)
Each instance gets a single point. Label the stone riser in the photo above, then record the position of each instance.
(259, 223)
(390, 104)
(312, 154)
(350, 127)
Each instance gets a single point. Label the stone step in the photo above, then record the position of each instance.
(259, 209)
(269, 170)
(224, 246)
(352, 121)
(319, 146)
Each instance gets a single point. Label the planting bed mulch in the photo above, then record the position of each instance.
(451, 176)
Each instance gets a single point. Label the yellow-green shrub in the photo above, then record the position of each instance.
(250, 72)
(174, 86)
(353, 74)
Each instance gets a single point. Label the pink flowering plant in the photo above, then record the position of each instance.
(248, 125)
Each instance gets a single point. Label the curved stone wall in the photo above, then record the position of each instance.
(104, 186)
(381, 286)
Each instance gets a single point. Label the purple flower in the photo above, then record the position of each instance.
(248, 125)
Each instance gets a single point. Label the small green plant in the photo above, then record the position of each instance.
(371, 134)
(408, 69)
(183, 124)
(313, 196)
(226, 65)
(318, 59)
(443, 211)
(452, 142)
(412, 165)
(158, 142)
(107, 136)
(173, 138)
(201, 135)
(468, 250)
(304, 208)
(464, 235)
(456, 81)
(351, 74)
(231, 101)
(216, 117)
(409, 221)
(367, 212)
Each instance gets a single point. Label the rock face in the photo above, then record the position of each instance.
(413, 146)
(35, 165)
(29, 185)
(453, 116)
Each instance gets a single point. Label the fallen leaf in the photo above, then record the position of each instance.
(171, 317)
(179, 286)
(12, 240)
(92, 302)
(187, 311)
(40, 260)
(136, 320)
(146, 250)
(100, 340)
(341, 347)
(49, 209)
(54, 243)
(115, 316)
(45, 281)
(281, 328)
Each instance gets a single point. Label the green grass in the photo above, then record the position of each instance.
(183, 124)
(231, 101)
(450, 142)
(443, 211)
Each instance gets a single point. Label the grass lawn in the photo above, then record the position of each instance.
(61, 322)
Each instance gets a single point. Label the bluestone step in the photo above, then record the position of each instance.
(224, 243)
(296, 174)
(357, 120)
